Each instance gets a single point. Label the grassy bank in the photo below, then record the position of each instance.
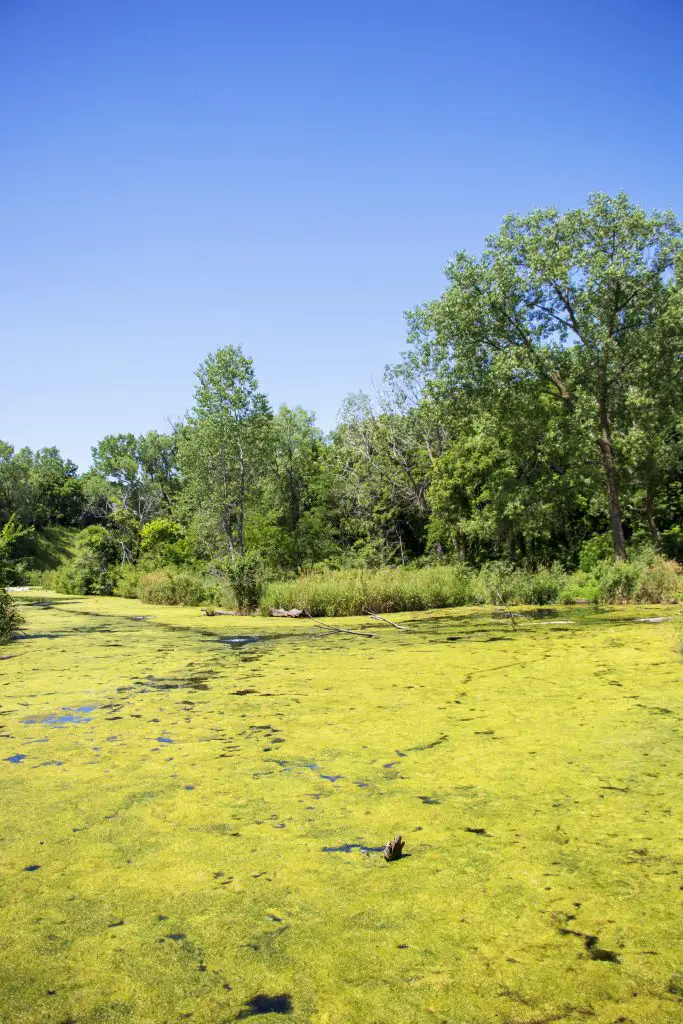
(649, 579)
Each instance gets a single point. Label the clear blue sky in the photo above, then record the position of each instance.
(177, 176)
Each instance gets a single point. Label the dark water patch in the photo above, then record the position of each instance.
(477, 831)
(172, 683)
(164, 739)
(40, 636)
(50, 764)
(350, 847)
(331, 778)
(238, 641)
(362, 785)
(176, 936)
(116, 924)
(189, 787)
(424, 746)
(242, 693)
(596, 953)
(16, 758)
(70, 719)
(429, 800)
(261, 1004)
(32, 867)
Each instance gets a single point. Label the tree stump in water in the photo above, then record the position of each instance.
(394, 849)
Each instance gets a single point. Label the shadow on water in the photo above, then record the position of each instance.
(74, 716)
(350, 847)
(261, 1004)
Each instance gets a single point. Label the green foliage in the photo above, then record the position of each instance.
(127, 581)
(353, 591)
(246, 576)
(660, 582)
(582, 308)
(224, 449)
(40, 488)
(163, 542)
(171, 586)
(93, 568)
(502, 583)
(594, 551)
(11, 618)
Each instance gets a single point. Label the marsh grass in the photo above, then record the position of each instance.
(647, 579)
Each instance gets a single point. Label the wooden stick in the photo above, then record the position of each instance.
(337, 629)
(373, 615)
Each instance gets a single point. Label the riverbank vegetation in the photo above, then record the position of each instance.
(527, 447)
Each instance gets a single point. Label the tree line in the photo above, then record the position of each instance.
(538, 407)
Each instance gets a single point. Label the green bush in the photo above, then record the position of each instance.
(127, 581)
(169, 586)
(617, 581)
(92, 570)
(579, 587)
(246, 576)
(660, 582)
(10, 617)
(595, 551)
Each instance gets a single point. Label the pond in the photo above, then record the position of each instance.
(194, 816)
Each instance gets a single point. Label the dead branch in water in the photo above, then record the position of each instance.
(374, 615)
(337, 629)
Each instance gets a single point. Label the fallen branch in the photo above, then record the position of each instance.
(337, 629)
(217, 611)
(282, 613)
(381, 618)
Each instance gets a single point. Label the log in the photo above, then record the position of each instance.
(217, 611)
(338, 629)
(282, 613)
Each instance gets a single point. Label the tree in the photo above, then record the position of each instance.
(224, 449)
(136, 474)
(292, 526)
(571, 300)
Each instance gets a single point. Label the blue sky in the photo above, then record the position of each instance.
(177, 176)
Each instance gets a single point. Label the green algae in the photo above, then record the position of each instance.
(192, 828)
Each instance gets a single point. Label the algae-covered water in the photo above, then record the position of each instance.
(193, 811)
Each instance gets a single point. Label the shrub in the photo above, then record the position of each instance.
(580, 586)
(127, 581)
(595, 551)
(246, 577)
(617, 581)
(169, 586)
(92, 569)
(660, 582)
(10, 617)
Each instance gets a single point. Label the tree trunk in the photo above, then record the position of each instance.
(606, 451)
(650, 518)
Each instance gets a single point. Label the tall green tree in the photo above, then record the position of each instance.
(224, 450)
(571, 300)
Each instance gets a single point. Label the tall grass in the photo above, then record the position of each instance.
(648, 579)
(353, 591)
